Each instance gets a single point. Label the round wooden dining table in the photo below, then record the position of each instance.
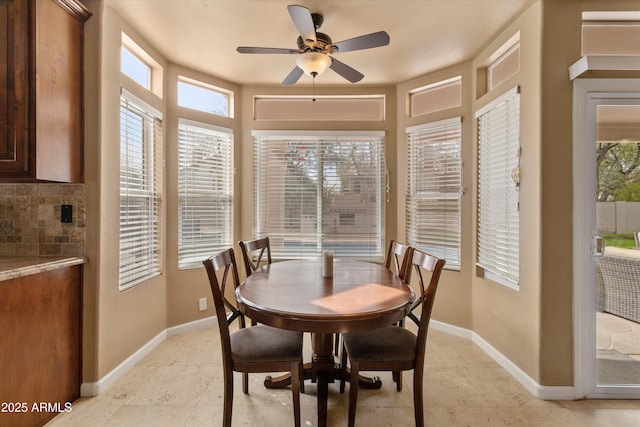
(294, 295)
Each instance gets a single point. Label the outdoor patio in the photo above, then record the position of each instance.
(618, 344)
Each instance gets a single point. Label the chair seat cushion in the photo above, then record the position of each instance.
(390, 343)
(263, 343)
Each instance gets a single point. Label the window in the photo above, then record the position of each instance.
(498, 178)
(335, 108)
(304, 193)
(504, 67)
(135, 68)
(140, 150)
(435, 189)
(205, 188)
(439, 96)
(140, 67)
(200, 96)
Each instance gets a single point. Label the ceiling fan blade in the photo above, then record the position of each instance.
(293, 76)
(381, 38)
(249, 49)
(346, 71)
(304, 23)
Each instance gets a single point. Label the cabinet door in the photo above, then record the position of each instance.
(58, 91)
(40, 342)
(41, 90)
(14, 87)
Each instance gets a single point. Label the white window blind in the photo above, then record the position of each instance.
(435, 188)
(140, 151)
(498, 217)
(205, 188)
(324, 191)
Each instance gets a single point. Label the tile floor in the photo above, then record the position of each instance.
(180, 384)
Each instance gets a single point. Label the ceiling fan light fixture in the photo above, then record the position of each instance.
(313, 63)
(314, 48)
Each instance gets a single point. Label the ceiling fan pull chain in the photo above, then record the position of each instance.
(313, 99)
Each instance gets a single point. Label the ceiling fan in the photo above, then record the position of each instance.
(314, 48)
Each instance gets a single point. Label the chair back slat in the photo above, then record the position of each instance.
(421, 263)
(224, 309)
(397, 259)
(255, 253)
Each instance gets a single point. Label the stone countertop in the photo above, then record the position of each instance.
(14, 267)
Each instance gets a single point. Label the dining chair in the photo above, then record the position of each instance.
(397, 260)
(254, 349)
(392, 348)
(254, 253)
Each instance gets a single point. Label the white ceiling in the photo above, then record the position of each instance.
(426, 35)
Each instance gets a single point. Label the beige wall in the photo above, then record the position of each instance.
(532, 326)
(453, 304)
(561, 48)
(119, 323)
(507, 319)
(186, 287)
(116, 324)
(92, 75)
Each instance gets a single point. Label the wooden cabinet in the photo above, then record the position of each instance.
(40, 345)
(41, 90)
(14, 87)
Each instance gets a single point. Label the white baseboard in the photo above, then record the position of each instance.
(191, 326)
(100, 386)
(539, 391)
(451, 329)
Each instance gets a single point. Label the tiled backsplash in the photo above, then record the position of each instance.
(30, 220)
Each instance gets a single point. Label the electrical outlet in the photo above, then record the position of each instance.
(202, 304)
(66, 213)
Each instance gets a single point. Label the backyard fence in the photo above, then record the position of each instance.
(618, 217)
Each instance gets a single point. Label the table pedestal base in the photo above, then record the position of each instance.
(284, 380)
(322, 370)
